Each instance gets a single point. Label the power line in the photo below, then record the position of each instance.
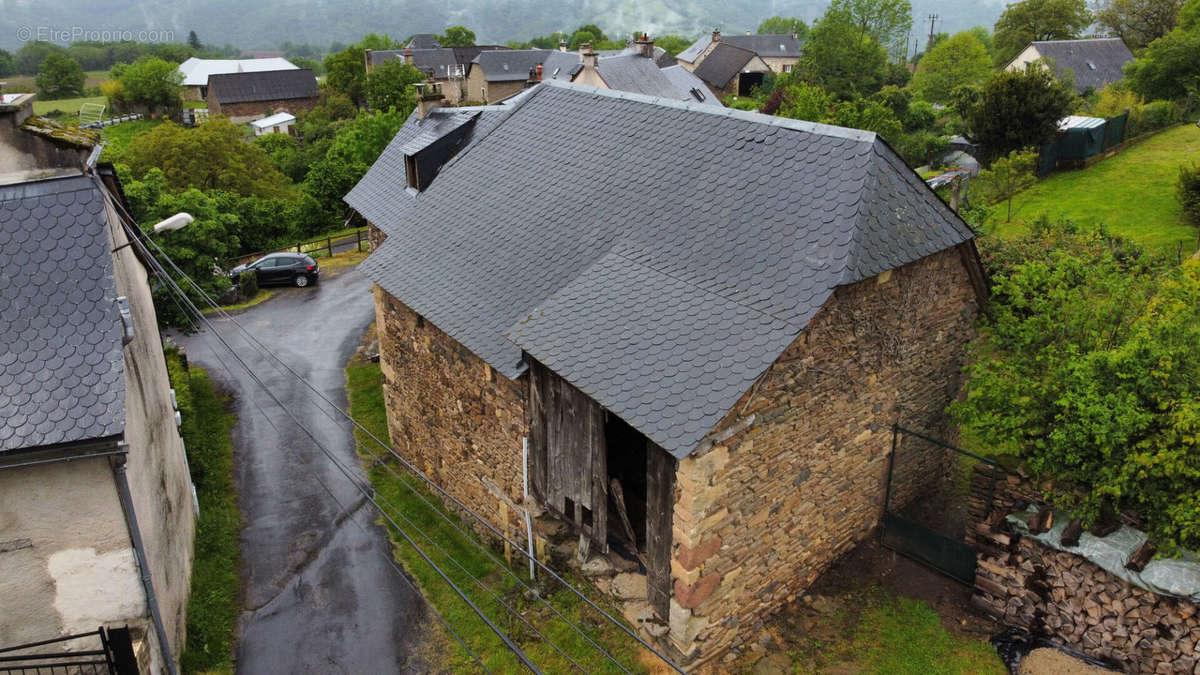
(408, 465)
(187, 301)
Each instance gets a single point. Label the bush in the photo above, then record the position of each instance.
(247, 285)
(921, 148)
(1159, 115)
(1188, 189)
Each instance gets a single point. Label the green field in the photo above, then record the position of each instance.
(25, 83)
(1132, 194)
(67, 106)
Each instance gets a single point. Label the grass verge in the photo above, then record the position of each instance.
(260, 297)
(1131, 194)
(212, 606)
(405, 495)
(874, 631)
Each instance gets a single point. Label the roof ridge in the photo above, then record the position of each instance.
(744, 115)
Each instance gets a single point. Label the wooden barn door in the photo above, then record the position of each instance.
(567, 453)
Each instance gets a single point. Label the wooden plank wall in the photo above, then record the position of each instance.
(660, 504)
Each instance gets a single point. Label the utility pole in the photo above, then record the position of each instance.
(932, 20)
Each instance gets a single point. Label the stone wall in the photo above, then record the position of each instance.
(450, 414)
(1067, 598)
(796, 472)
(240, 113)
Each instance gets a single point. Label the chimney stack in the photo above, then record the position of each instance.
(716, 37)
(429, 96)
(587, 55)
(562, 45)
(645, 45)
(539, 72)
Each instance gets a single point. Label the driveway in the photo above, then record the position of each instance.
(320, 594)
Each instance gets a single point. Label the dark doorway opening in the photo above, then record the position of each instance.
(626, 460)
(748, 82)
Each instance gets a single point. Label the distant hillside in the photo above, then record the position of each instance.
(319, 22)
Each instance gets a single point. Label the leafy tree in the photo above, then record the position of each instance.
(887, 22)
(284, 152)
(6, 63)
(1139, 22)
(800, 100)
(212, 156)
(355, 148)
(1087, 369)
(457, 36)
(390, 86)
(305, 62)
(594, 30)
(783, 25)
(1188, 189)
(867, 115)
(841, 59)
(550, 41)
(673, 44)
(1189, 15)
(985, 38)
(60, 76)
(960, 60)
(581, 37)
(151, 82)
(346, 73)
(1029, 20)
(1016, 109)
(378, 41)
(1008, 176)
(28, 59)
(1170, 66)
(193, 41)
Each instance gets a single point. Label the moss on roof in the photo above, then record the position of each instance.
(63, 134)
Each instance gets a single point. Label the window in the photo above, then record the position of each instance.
(787, 67)
(410, 170)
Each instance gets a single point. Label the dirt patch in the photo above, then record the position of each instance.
(1053, 662)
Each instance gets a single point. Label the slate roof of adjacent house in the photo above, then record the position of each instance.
(764, 45)
(1095, 62)
(439, 60)
(638, 74)
(62, 364)
(722, 64)
(687, 82)
(658, 255)
(509, 65)
(561, 66)
(197, 71)
(423, 41)
(273, 85)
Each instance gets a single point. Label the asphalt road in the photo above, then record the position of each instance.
(320, 593)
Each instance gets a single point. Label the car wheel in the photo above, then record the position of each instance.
(301, 281)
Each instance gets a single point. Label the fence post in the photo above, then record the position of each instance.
(358, 241)
(329, 245)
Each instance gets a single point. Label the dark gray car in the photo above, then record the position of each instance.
(293, 269)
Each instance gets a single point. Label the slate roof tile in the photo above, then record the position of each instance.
(61, 359)
(271, 85)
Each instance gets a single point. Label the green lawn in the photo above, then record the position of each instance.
(68, 107)
(212, 605)
(1132, 194)
(364, 388)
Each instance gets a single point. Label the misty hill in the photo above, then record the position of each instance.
(264, 25)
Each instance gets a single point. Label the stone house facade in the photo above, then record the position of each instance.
(780, 53)
(733, 442)
(96, 508)
(243, 97)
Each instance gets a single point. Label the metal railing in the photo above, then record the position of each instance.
(110, 652)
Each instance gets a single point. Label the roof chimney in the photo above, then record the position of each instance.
(716, 35)
(407, 58)
(562, 45)
(587, 55)
(748, 33)
(539, 72)
(429, 96)
(645, 45)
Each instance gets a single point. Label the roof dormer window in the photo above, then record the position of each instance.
(410, 171)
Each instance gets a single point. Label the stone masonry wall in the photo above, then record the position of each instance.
(239, 113)
(797, 471)
(1068, 599)
(449, 413)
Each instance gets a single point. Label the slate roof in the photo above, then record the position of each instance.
(1096, 62)
(638, 74)
(658, 255)
(692, 86)
(273, 85)
(723, 64)
(783, 45)
(62, 364)
(509, 65)
(197, 71)
(423, 41)
(561, 66)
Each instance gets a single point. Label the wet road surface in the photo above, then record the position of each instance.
(320, 593)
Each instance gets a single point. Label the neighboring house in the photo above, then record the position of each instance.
(279, 123)
(1094, 63)
(96, 509)
(259, 54)
(780, 53)
(445, 65)
(635, 71)
(496, 75)
(731, 70)
(423, 41)
(243, 97)
(197, 71)
(716, 314)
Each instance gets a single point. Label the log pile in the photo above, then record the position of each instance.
(1071, 601)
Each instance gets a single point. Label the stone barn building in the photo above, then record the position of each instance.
(703, 322)
(243, 97)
